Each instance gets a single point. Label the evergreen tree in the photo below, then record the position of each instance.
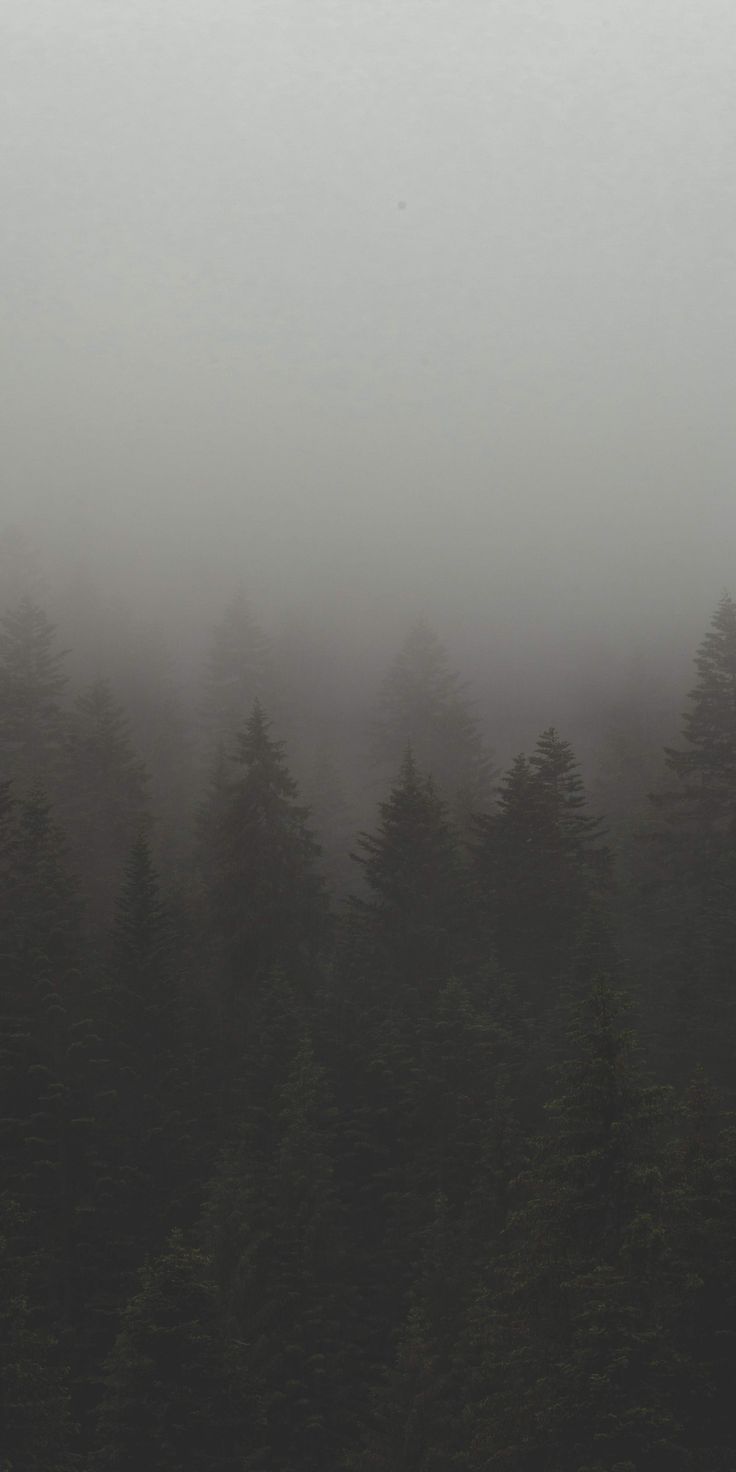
(693, 906)
(40, 947)
(236, 674)
(35, 1422)
(267, 896)
(175, 1401)
(579, 1365)
(414, 919)
(104, 797)
(422, 704)
(415, 1424)
(702, 1165)
(275, 1221)
(543, 872)
(31, 686)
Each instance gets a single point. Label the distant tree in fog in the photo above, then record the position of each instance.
(423, 704)
(31, 686)
(236, 673)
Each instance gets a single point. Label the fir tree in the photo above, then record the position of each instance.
(267, 896)
(579, 1361)
(104, 795)
(414, 917)
(275, 1224)
(31, 686)
(423, 705)
(36, 1429)
(236, 673)
(692, 903)
(175, 1401)
(543, 873)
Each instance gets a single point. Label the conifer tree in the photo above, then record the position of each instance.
(275, 1225)
(236, 674)
(267, 896)
(415, 1423)
(422, 704)
(175, 1400)
(39, 943)
(579, 1361)
(104, 795)
(36, 1429)
(693, 906)
(31, 687)
(702, 1166)
(415, 914)
(543, 872)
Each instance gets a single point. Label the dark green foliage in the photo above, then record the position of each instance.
(286, 1193)
(267, 896)
(276, 1225)
(39, 943)
(414, 918)
(104, 795)
(31, 687)
(35, 1419)
(236, 674)
(543, 871)
(578, 1368)
(175, 1400)
(694, 898)
(423, 705)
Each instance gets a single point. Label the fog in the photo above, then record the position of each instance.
(378, 310)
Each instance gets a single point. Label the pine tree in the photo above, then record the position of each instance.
(40, 947)
(267, 896)
(423, 705)
(236, 675)
(414, 917)
(415, 1424)
(31, 687)
(175, 1401)
(707, 766)
(543, 874)
(155, 1139)
(579, 1364)
(692, 907)
(35, 1421)
(104, 795)
(702, 1165)
(275, 1225)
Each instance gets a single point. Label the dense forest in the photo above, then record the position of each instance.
(367, 1103)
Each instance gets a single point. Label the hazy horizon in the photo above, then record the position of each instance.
(379, 309)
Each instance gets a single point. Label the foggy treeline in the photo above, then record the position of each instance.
(367, 1087)
(367, 736)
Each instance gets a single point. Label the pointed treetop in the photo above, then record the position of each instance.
(709, 725)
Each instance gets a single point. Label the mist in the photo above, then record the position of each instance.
(383, 310)
(367, 835)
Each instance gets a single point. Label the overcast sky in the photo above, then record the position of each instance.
(410, 302)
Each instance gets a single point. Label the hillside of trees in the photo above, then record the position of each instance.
(368, 1112)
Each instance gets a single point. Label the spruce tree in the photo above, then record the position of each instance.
(414, 915)
(236, 674)
(267, 896)
(692, 906)
(39, 939)
(174, 1400)
(36, 1430)
(32, 683)
(543, 873)
(579, 1362)
(275, 1225)
(104, 795)
(422, 704)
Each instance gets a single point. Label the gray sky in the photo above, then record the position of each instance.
(404, 302)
